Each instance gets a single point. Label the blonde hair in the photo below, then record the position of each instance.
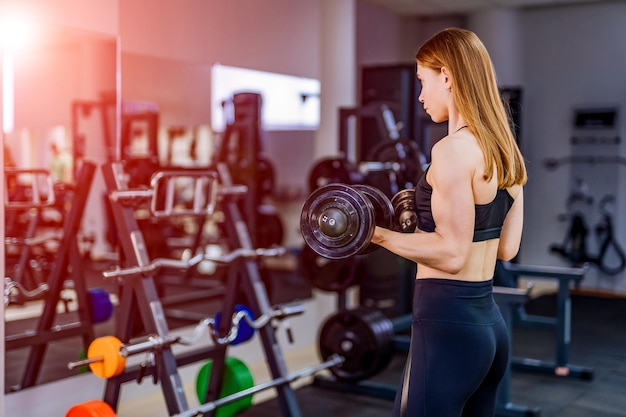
(477, 98)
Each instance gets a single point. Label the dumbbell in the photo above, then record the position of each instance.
(403, 203)
(338, 220)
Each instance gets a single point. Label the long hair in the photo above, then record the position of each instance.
(477, 98)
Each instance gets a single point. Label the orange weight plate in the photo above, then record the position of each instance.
(93, 408)
(107, 348)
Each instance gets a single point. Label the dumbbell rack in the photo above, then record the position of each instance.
(139, 293)
(67, 259)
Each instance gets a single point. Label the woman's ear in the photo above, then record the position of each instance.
(447, 80)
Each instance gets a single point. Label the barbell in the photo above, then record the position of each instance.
(337, 220)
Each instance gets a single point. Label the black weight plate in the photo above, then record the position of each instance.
(407, 154)
(333, 170)
(337, 221)
(269, 227)
(383, 211)
(403, 203)
(266, 175)
(363, 337)
(331, 275)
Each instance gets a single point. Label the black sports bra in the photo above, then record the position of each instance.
(489, 217)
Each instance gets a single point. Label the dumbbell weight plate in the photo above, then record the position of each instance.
(236, 378)
(403, 204)
(383, 210)
(337, 221)
(94, 408)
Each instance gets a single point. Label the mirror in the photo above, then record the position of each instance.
(60, 111)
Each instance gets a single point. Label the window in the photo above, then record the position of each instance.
(288, 102)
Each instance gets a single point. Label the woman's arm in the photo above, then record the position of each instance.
(511, 235)
(452, 203)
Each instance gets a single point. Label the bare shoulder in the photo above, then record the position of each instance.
(456, 153)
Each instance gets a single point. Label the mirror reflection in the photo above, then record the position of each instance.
(59, 114)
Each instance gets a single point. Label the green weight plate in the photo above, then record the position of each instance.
(237, 377)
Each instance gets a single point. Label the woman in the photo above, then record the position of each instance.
(469, 204)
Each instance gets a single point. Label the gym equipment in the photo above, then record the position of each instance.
(406, 158)
(363, 337)
(270, 230)
(507, 274)
(366, 339)
(245, 331)
(337, 221)
(403, 203)
(93, 408)
(100, 305)
(509, 300)
(67, 263)
(276, 382)
(331, 275)
(237, 377)
(13, 288)
(240, 151)
(383, 210)
(140, 301)
(334, 170)
(388, 162)
(574, 246)
(103, 357)
(107, 355)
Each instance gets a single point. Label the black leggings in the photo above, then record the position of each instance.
(459, 351)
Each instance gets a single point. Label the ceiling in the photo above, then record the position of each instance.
(446, 7)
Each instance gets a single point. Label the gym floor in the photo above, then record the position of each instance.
(598, 337)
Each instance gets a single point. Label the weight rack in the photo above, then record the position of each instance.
(67, 262)
(139, 294)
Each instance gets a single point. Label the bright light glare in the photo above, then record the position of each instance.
(16, 31)
(7, 94)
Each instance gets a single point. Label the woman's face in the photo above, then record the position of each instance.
(434, 93)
